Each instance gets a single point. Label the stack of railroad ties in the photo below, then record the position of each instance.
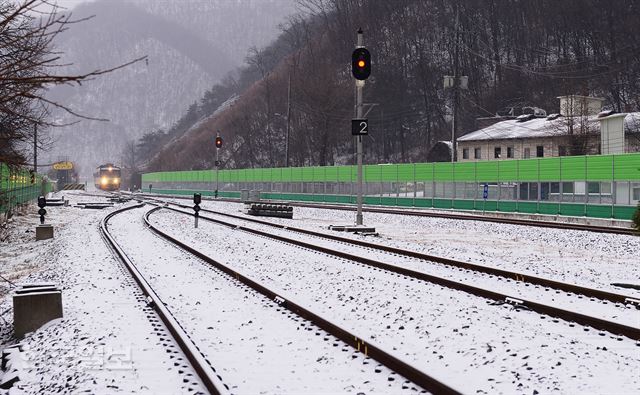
(281, 210)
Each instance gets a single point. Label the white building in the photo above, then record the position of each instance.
(555, 135)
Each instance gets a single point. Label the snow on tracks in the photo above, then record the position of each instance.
(254, 344)
(458, 336)
(105, 343)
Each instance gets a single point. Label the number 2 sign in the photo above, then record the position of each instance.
(359, 127)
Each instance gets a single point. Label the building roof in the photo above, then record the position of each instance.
(541, 127)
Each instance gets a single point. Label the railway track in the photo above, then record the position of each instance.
(426, 213)
(545, 309)
(482, 218)
(207, 374)
(359, 343)
(507, 274)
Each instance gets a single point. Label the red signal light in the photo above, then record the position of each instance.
(218, 142)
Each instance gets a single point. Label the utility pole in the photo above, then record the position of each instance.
(359, 86)
(35, 148)
(286, 144)
(456, 91)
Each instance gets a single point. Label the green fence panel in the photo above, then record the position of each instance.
(549, 169)
(627, 167)
(599, 168)
(465, 172)
(388, 173)
(443, 172)
(331, 174)
(573, 168)
(371, 173)
(424, 171)
(405, 172)
(487, 171)
(528, 170)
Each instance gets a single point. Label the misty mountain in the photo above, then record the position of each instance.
(189, 46)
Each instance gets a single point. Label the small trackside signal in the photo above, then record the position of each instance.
(42, 202)
(197, 199)
(361, 64)
(218, 142)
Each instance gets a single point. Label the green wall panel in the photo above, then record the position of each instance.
(627, 167)
(405, 172)
(573, 168)
(508, 170)
(465, 172)
(424, 171)
(549, 169)
(487, 171)
(599, 167)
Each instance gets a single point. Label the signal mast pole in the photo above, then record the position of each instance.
(358, 113)
(217, 161)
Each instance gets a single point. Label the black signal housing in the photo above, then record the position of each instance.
(361, 64)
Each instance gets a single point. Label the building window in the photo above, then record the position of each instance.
(562, 150)
(477, 153)
(567, 187)
(509, 152)
(539, 151)
(465, 153)
(527, 153)
(496, 152)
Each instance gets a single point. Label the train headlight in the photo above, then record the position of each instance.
(104, 181)
(116, 180)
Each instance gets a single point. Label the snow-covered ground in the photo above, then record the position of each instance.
(585, 258)
(457, 337)
(255, 345)
(105, 342)
(627, 315)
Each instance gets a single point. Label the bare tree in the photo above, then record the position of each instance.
(29, 65)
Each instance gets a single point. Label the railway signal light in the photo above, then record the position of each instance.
(361, 64)
(197, 198)
(218, 142)
(33, 176)
(41, 203)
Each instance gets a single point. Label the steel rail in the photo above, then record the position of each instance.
(473, 217)
(360, 344)
(207, 374)
(518, 276)
(567, 315)
(425, 213)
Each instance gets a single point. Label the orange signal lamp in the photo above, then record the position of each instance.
(361, 63)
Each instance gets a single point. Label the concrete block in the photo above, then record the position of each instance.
(34, 307)
(44, 232)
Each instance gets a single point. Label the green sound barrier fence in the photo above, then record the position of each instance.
(16, 187)
(603, 186)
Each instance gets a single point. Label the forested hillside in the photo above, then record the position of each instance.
(515, 52)
(189, 45)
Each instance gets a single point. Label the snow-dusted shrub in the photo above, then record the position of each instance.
(636, 218)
